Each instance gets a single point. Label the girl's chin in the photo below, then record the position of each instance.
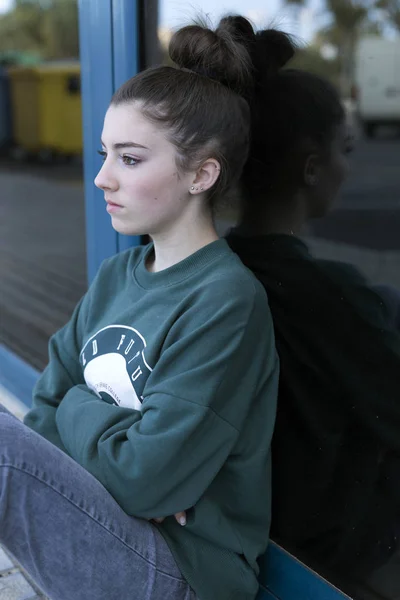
(124, 228)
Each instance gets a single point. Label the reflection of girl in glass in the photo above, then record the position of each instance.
(336, 447)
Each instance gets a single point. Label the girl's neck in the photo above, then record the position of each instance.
(177, 244)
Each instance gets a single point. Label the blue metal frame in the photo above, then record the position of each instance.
(126, 64)
(265, 594)
(288, 579)
(109, 53)
(96, 54)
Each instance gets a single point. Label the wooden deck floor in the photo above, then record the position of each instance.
(42, 255)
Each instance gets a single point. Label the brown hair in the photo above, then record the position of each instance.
(201, 105)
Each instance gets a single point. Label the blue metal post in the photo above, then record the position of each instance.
(125, 21)
(109, 56)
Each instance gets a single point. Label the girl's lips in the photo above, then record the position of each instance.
(112, 207)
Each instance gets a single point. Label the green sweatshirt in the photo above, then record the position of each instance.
(163, 386)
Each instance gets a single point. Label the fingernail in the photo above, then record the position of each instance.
(182, 521)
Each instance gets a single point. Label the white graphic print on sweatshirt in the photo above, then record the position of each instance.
(114, 365)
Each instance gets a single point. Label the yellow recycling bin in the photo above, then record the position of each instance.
(46, 108)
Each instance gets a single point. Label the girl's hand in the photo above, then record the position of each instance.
(180, 517)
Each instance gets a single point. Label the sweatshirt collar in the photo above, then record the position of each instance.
(181, 270)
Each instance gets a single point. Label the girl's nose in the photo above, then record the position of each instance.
(104, 179)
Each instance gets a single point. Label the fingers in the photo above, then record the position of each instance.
(181, 518)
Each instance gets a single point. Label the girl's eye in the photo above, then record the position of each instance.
(129, 160)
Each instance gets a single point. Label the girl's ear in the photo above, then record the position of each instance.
(206, 176)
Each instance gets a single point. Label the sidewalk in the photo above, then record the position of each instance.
(14, 583)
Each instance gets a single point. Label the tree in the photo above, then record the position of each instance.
(48, 28)
(61, 30)
(310, 59)
(349, 19)
(296, 6)
(391, 8)
(21, 28)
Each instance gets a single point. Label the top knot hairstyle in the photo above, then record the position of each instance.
(203, 104)
(221, 55)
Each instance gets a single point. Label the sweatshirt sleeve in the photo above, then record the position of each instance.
(62, 372)
(161, 459)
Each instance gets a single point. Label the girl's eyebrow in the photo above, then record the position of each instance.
(120, 145)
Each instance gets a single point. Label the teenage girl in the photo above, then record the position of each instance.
(160, 392)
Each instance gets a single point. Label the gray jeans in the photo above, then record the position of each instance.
(69, 534)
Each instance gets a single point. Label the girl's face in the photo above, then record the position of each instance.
(143, 191)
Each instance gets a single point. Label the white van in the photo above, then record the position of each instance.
(377, 76)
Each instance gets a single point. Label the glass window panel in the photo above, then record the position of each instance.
(346, 523)
(42, 222)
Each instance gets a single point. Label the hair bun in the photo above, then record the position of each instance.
(222, 55)
(272, 51)
(239, 28)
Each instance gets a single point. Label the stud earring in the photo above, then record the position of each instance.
(312, 180)
(192, 188)
(201, 189)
